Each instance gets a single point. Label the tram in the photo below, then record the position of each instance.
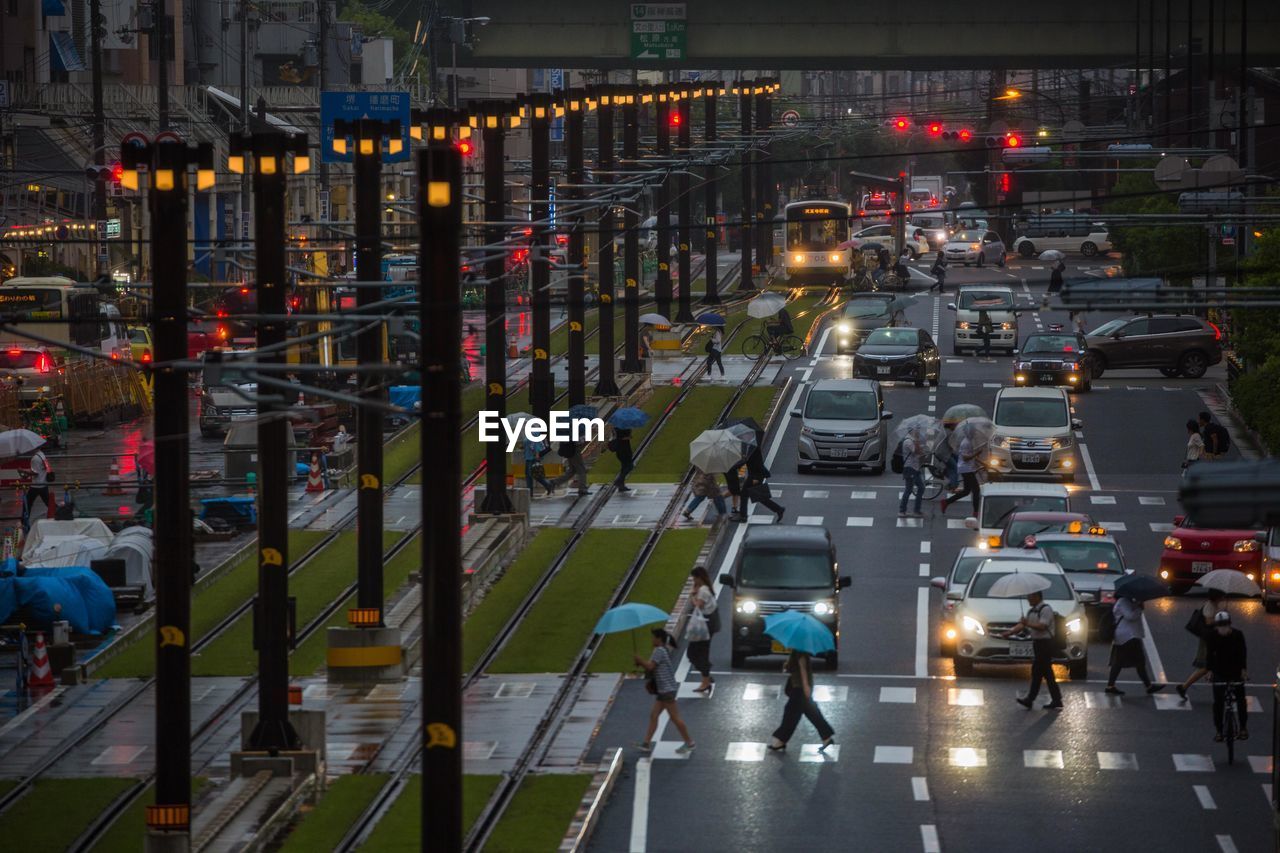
(817, 242)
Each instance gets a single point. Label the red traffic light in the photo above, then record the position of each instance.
(964, 135)
(674, 121)
(465, 147)
(1005, 182)
(1012, 140)
(935, 128)
(901, 124)
(117, 171)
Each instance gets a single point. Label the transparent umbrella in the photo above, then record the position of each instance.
(1229, 581)
(977, 430)
(1018, 584)
(766, 305)
(924, 428)
(960, 411)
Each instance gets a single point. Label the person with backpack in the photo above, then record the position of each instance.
(908, 460)
(967, 465)
(1217, 441)
(715, 348)
(1038, 624)
(41, 477)
(533, 468)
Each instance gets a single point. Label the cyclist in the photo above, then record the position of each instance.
(1226, 659)
(781, 326)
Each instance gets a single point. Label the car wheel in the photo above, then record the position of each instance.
(1099, 364)
(964, 667)
(1179, 588)
(210, 433)
(945, 649)
(1193, 364)
(738, 659)
(1068, 478)
(1000, 260)
(1027, 250)
(804, 469)
(919, 383)
(1087, 386)
(879, 469)
(982, 258)
(1171, 372)
(956, 351)
(1088, 248)
(1271, 606)
(1079, 669)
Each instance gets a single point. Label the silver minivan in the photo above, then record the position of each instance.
(997, 301)
(842, 425)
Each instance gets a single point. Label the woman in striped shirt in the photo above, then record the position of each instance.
(660, 680)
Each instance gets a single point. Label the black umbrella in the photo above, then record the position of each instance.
(1140, 588)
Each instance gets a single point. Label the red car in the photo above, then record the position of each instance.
(1032, 523)
(1191, 551)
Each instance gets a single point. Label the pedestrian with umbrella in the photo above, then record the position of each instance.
(1127, 642)
(913, 453)
(1037, 624)
(41, 473)
(715, 349)
(1219, 583)
(804, 636)
(704, 485)
(624, 420)
(575, 466)
(969, 439)
(1055, 277)
(660, 681)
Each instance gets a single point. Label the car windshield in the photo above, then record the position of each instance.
(893, 338)
(986, 300)
(967, 237)
(996, 509)
(769, 569)
(1051, 344)
(966, 566)
(1110, 326)
(1058, 589)
(138, 336)
(19, 359)
(867, 308)
(842, 406)
(1035, 412)
(1022, 528)
(1085, 556)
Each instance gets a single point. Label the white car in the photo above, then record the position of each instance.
(1035, 434)
(998, 501)
(917, 241)
(998, 303)
(954, 582)
(1064, 233)
(975, 246)
(979, 618)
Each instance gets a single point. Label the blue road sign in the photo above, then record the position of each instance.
(351, 106)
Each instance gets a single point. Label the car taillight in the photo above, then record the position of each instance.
(933, 202)
(1108, 596)
(1217, 333)
(146, 356)
(44, 364)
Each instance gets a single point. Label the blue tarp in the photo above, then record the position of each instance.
(72, 593)
(63, 55)
(406, 397)
(52, 8)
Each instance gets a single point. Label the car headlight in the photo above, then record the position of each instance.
(1023, 365)
(823, 608)
(1245, 546)
(1172, 543)
(963, 325)
(844, 328)
(804, 430)
(747, 607)
(1055, 443)
(211, 411)
(1006, 326)
(973, 626)
(973, 247)
(1074, 626)
(1002, 441)
(1019, 377)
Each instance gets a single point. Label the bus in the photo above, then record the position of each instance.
(59, 309)
(817, 242)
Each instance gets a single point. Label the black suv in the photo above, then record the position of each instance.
(783, 568)
(1176, 344)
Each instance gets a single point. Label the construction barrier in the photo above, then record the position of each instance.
(40, 675)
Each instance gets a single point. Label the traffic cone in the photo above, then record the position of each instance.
(512, 350)
(315, 479)
(40, 676)
(115, 486)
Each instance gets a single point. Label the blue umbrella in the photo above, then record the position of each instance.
(582, 410)
(710, 318)
(800, 631)
(628, 617)
(1140, 588)
(629, 417)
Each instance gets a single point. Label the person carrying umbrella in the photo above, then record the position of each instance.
(782, 325)
(621, 447)
(1055, 277)
(715, 349)
(660, 680)
(800, 703)
(533, 470)
(1216, 604)
(1038, 625)
(705, 485)
(967, 465)
(913, 456)
(755, 487)
(1126, 645)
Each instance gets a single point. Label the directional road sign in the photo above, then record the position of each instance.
(352, 106)
(658, 39)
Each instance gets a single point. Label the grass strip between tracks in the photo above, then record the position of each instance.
(401, 453)
(314, 586)
(539, 813)
(502, 599)
(130, 827)
(659, 584)
(754, 403)
(55, 812)
(322, 826)
(400, 830)
(209, 606)
(667, 457)
(559, 623)
(606, 467)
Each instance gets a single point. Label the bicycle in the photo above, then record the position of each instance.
(1230, 720)
(788, 346)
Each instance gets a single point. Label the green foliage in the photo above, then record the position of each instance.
(1254, 396)
(1175, 252)
(1255, 333)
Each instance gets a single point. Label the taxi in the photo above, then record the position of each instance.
(980, 618)
(1093, 562)
(1022, 526)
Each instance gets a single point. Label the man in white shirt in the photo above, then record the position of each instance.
(1038, 626)
(967, 468)
(913, 453)
(41, 476)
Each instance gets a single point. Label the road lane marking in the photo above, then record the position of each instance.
(822, 342)
(804, 377)
(1205, 798)
(777, 436)
(920, 788)
(32, 710)
(924, 570)
(929, 838)
(1088, 466)
(926, 547)
(922, 631)
(640, 807)
(1153, 654)
(1226, 845)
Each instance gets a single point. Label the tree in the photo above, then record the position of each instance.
(1159, 249)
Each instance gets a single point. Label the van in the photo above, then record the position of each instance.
(842, 425)
(936, 227)
(1035, 434)
(783, 568)
(998, 501)
(997, 300)
(1063, 233)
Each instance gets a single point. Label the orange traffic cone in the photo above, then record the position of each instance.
(40, 675)
(513, 350)
(315, 479)
(114, 484)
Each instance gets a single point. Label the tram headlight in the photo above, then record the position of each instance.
(834, 257)
(799, 259)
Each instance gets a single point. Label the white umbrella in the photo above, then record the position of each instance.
(654, 320)
(926, 427)
(1018, 584)
(716, 451)
(1229, 581)
(765, 305)
(1051, 255)
(16, 442)
(977, 430)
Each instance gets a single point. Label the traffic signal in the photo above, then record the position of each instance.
(674, 118)
(1012, 140)
(465, 147)
(1006, 182)
(935, 128)
(117, 172)
(901, 123)
(962, 135)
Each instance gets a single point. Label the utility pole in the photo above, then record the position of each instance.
(631, 239)
(711, 190)
(575, 104)
(160, 33)
(662, 130)
(243, 237)
(684, 146)
(99, 128)
(764, 184)
(169, 820)
(745, 282)
(322, 81)
(606, 386)
(440, 315)
(541, 384)
(493, 116)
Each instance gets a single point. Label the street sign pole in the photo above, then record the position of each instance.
(631, 239)
(764, 188)
(606, 385)
(711, 193)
